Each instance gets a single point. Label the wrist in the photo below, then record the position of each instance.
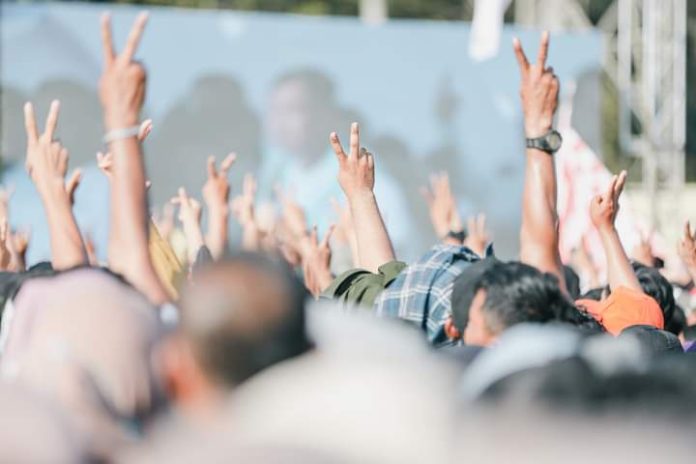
(536, 128)
(219, 209)
(120, 119)
(53, 191)
(606, 231)
(361, 195)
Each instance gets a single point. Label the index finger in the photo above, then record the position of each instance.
(519, 54)
(30, 122)
(543, 49)
(212, 171)
(107, 40)
(619, 186)
(609, 194)
(337, 147)
(134, 38)
(51, 120)
(354, 140)
(687, 230)
(327, 236)
(227, 163)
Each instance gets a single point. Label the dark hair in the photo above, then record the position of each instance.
(593, 294)
(259, 316)
(572, 281)
(655, 285)
(517, 293)
(677, 323)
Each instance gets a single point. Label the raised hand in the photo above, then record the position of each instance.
(316, 261)
(216, 194)
(243, 211)
(643, 252)
(190, 218)
(293, 217)
(603, 211)
(539, 239)
(216, 190)
(356, 172)
(243, 204)
(47, 160)
(539, 89)
(356, 175)
(442, 205)
(605, 207)
(687, 249)
(477, 238)
(122, 85)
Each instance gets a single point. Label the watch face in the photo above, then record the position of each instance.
(554, 140)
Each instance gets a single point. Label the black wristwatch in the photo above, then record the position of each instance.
(459, 235)
(549, 142)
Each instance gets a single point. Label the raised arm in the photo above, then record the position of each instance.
(603, 210)
(190, 218)
(539, 231)
(243, 210)
(687, 250)
(356, 175)
(47, 164)
(122, 92)
(443, 210)
(216, 194)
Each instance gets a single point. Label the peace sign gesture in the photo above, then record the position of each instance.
(605, 207)
(356, 170)
(122, 85)
(538, 90)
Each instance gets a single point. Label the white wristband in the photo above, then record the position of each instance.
(118, 134)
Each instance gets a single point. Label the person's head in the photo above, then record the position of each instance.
(506, 294)
(240, 316)
(301, 113)
(85, 339)
(656, 286)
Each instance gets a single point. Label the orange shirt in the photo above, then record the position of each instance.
(624, 308)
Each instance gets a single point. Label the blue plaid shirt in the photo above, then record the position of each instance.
(422, 293)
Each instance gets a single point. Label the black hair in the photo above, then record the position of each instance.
(572, 281)
(657, 286)
(254, 331)
(517, 293)
(593, 294)
(677, 323)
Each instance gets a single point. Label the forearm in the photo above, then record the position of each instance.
(539, 229)
(619, 270)
(251, 237)
(128, 238)
(373, 243)
(216, 238)
(67, 248)
(194, 240)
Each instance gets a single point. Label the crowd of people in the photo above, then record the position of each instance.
(260, 348)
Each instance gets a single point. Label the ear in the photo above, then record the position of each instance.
(451, 331)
